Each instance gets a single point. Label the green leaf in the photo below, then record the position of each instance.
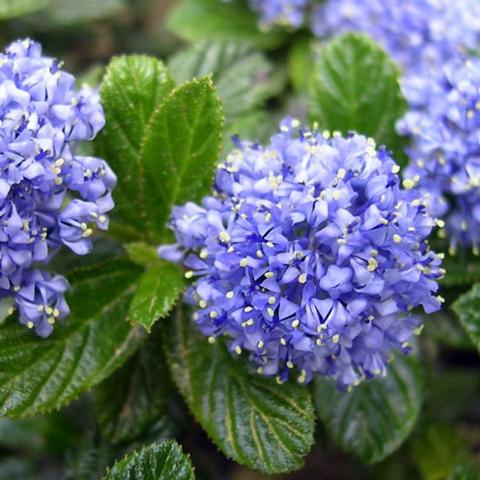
(355, 86)
(467, 307)
(195, 20)
(136, 396)
(38, 375)
(438, 450)
(181, 149)
(133, 89)
(252, 419)
(16, 8)
(155, 137)
(68, 12)
(300, 58)
(244, 78)
(375, 418)
(157, 293)
(164, 461)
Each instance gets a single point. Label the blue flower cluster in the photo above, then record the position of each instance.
(309, 256)
(49, 196)
(419, 34)
(287, 13)
(444, 123)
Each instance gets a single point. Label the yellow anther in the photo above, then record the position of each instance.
(302, 278)
(51, 320)
(283, 341)
(260, 344)
(440, 223)
(189, 274)
(211, 339)
(213, 314)
(243, 262)
(58, 180)
(295, 323)
(248, 309)
(87, 233)
(272, 300)
(259, 254)
(408, 183)
(268, 217)
(224, 237)
(372, 264)
(336, 338)
(40, 308)
(270, 312)
(395, 169)
(289, 364)
(202, 304)
(341, 173)
(268, 274)
(230, 294)
(238, 350)
(203, 254)
(397, 238)
(269, 244)
(336, 195)
(30, 325)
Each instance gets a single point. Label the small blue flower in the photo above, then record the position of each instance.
(309, 256)
(444, 124)
(49, 195)
(419, 34)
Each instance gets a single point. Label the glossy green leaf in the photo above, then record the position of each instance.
(136, 396)
(133, 88)
(164, 461)
(467, 307)
(244, 78)
(195, 20)
(38, 375)
(15, 8)
(162, 144)
(375, 418)
(252, 419)
(355, 86)
(158, 290)
(181, 149)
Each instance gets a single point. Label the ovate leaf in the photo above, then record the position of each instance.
(375, 418)
(181, 149)
(252, 419)
(136, 395)
(133, 89)
(164, 461)
(355, 86)
(162, 144)
(15, 8)
(38, 375)
(467, 307)
(195, 20)
(158, 290)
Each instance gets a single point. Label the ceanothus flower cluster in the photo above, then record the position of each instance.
(444, 124)
(49, 195)
(419, 34)
(288, 13)
(309, 256)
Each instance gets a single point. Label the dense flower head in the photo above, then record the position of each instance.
(444, 123)
(49, 195)
(419, 34)
(287, 13)
(309, 256)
